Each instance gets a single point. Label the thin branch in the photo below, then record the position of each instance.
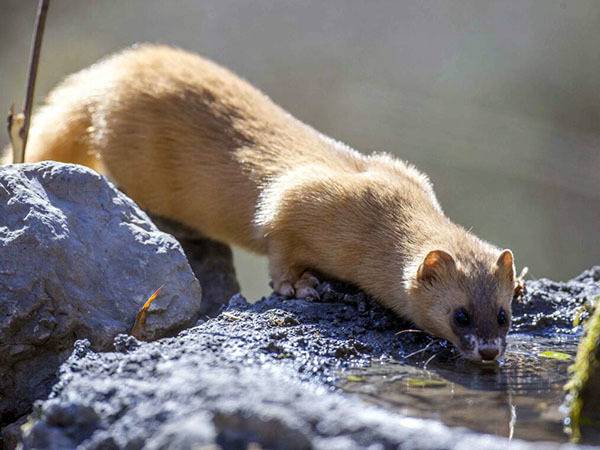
(18, 124)
(36, 48)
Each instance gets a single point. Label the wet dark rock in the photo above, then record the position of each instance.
(551, 306)
(78, 259)
(13, 434)
(259, 373)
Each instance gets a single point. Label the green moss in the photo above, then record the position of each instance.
(584, 385)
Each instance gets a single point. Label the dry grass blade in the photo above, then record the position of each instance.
(138, 330)
(230, 316)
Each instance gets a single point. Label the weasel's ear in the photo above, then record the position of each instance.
(436, 264)
(505, 266)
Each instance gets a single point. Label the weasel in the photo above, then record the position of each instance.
(190, 140)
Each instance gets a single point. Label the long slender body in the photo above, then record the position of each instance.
(189, 140)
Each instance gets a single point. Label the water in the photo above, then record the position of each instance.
(519, 397)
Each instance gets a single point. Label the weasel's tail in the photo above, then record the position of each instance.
(61, 129)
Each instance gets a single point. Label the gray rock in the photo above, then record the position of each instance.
(258, 373)
(211, 261)
(155, 398)
(78, 259)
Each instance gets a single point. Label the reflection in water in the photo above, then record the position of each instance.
(513, 418)
(518, 397)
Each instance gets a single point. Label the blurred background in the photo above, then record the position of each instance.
(499, 102)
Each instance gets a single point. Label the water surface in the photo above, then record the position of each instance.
(519, 397)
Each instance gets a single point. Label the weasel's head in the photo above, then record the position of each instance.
(467, 304)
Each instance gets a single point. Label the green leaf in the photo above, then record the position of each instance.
(426, 382)
(355, 378)
(555, 355)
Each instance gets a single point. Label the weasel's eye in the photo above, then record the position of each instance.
(502, 319)
(461, 317)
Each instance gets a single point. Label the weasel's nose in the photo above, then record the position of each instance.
(488, 353)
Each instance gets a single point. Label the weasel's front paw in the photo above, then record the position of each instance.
(284, 288)
(303, 287)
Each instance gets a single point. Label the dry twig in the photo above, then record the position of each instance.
(18, 124)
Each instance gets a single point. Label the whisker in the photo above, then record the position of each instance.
(421, 350)
(455, 357)
(429, 360)
(409, 331)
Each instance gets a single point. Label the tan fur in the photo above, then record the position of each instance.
(190, 140)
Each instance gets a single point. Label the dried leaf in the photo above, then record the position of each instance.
(16, 121)
(138, 330)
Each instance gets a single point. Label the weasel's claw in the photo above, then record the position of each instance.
(305, 286)
(307, 293)
(286, 290)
